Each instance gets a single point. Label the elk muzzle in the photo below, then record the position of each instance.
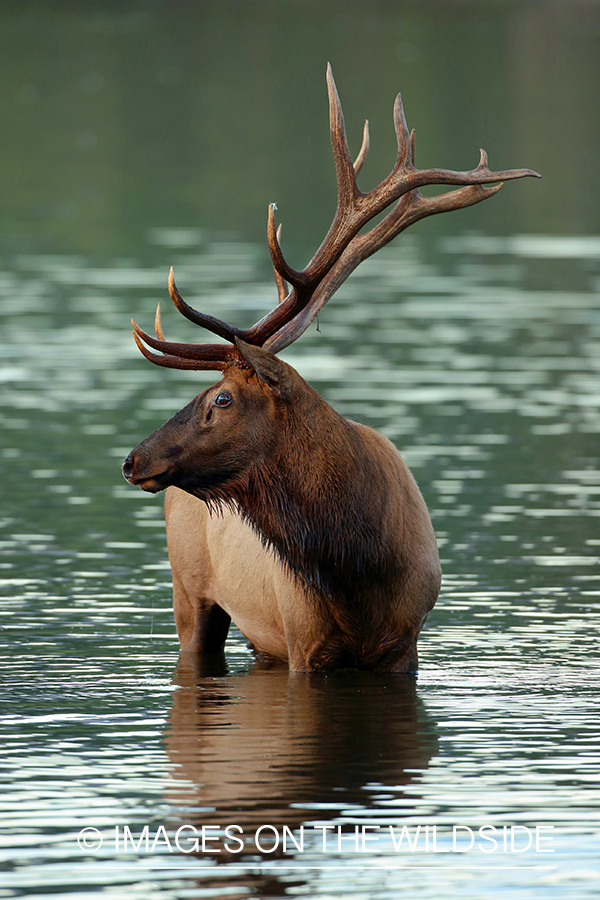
(139, 469)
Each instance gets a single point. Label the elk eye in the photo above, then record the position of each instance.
(223, 399)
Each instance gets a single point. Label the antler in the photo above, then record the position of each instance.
(189, 356)
(303, 293)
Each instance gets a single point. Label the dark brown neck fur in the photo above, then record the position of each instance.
(320, 501)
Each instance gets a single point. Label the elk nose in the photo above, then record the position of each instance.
(129, 466)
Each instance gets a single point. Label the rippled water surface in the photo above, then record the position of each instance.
(488, 379)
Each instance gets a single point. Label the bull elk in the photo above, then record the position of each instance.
(304, 528)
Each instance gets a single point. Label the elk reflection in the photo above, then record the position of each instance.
(265, 747)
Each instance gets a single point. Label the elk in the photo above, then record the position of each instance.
(304, 528)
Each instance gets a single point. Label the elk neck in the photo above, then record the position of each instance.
(321, 500)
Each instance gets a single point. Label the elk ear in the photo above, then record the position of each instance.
(272, 371)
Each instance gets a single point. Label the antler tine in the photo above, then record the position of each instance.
(174, 362)
(187, 356)
(344, 167)
(404, 158)
(183, 356)
(291, 302)
(364, 149)
(158, 325)
(283, 287)
(279, 264)
(481, 174)
(211, 323)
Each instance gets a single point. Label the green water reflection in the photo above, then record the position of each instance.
(145, 135)
(197, 115)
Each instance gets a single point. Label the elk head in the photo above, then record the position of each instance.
(208, 445)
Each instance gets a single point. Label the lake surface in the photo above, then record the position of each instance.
(476, 351)
(490, 387)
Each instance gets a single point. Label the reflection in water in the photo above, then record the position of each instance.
(267, 747)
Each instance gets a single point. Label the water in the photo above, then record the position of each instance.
(489, 387)
(476, 352)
